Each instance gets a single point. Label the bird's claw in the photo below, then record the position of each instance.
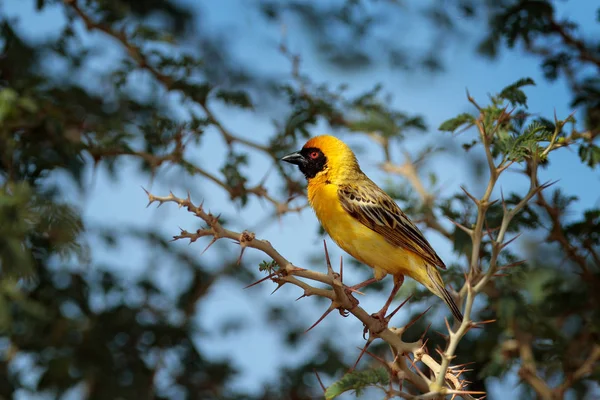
(343, 312)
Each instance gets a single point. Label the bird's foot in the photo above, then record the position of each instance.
(382, 322)
(382, 315)
(351, 290)
(353, 300)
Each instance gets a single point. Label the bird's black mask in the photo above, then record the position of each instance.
(309, 160)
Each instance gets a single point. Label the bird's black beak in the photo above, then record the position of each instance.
(294, 158)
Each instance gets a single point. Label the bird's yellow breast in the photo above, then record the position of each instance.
(359, 241)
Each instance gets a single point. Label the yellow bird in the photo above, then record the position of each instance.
(365, 221)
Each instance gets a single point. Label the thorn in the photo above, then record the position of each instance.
(414, 365)
(363, 284)
(425, 333)
(304, 295)
(320, 381)
(327, 259)
(326, 313)
(239, 260)
(511, 265)
(444, 336)
(504, 208)
(341, 269)
(450, 331)
(261, 280)
(461, 227)
(417, 318)
(511, 240)
(150, 197)
(505, 167)
(350, 289)
(467, 391)
(381, 360)
(213, 240)
(464, 365)
(461, 371)
(280, 283)
(488, 321)
(488, 230)
(389, 317)
(547, 185)
(412, 362)
(443, 354)
(469, 195)
(362, 352)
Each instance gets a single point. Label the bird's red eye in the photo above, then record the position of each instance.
(314, 155)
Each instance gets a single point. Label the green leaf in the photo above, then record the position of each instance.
(267, 265)
(233, 176)
(453, 124)
(235, 98)
(514, 94)
(375, 120)
(8, 99)
(590, 154)
(517, 146)
(5, 316)
(357, 381)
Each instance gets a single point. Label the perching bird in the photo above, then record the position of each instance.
(365, 221)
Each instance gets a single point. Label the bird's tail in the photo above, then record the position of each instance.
(451, 305)
(437, 286)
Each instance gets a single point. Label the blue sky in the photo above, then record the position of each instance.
(258, 352)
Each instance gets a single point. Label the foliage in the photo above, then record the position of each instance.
(357, 380)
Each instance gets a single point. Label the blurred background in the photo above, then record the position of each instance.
(99, 98)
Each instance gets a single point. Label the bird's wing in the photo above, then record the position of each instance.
(373, 208)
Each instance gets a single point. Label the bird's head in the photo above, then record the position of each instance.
(323, 156)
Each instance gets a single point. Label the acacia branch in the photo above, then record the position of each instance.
(528, 370)
(171, 84)
(557, 234)
(341, 298)
(477, 234)
(584, 369)
(482, 204)
(584, 52)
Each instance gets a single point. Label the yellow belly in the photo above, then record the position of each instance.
(362, 243)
